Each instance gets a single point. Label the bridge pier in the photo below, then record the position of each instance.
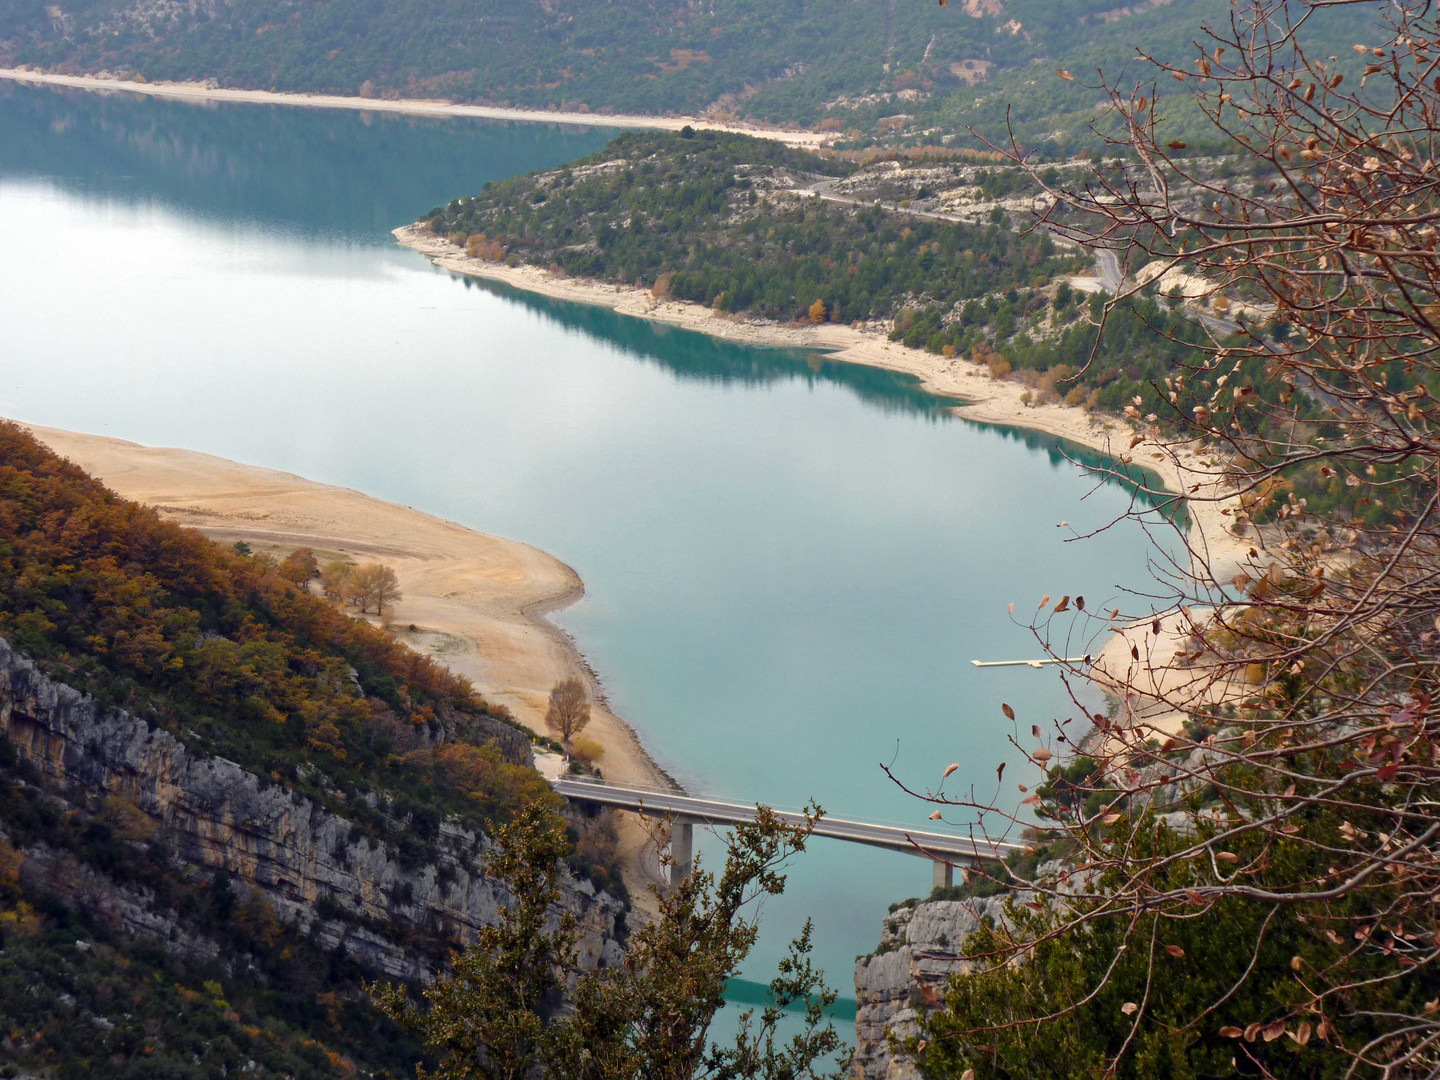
(944, 874)
(682, 849)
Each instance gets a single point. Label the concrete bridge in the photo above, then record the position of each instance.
(945, 850)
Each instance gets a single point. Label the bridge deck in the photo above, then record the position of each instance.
(925, 843)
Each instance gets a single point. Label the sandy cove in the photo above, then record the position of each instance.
(477, 601)
(194, 91)
(988, 401)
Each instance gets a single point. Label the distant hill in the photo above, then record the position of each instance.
(897, 67)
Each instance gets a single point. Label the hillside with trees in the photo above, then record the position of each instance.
(720, 220)
(227, 652)
(861, 69)
(933, 251)
(1235, 873)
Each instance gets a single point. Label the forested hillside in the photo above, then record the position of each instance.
(724, 220)
(253, 801)
(906, 68)
(220, 649)
(733, 223)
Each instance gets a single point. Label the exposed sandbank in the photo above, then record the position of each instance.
(990, 401)
(477, 601)
(194, 91)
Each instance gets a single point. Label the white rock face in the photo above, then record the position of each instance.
(317, 869)
(920, 949)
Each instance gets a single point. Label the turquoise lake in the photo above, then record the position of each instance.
(789, 563)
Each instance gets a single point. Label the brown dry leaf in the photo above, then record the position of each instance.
(1042, 755)
(1008, 711)
(1251, 1030)
(952, 767)
(1302, 1036)
(1175, 951)
(1063, 605)
(1230, 1031)
(1274, 1031)
(1227, 856)
(1129, 1008)
(1065, 75)
(935, 816)
(1110, 819)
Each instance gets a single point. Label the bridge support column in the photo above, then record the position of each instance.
(682, 849)
(944, 874)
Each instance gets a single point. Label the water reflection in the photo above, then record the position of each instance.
(329, 173)
(691, 355)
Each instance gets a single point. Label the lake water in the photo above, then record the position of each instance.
(789, 563)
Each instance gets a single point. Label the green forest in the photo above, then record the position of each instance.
(699, 217)
(844, 65)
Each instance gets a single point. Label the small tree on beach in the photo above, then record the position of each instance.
(374, 585)
(569, 709)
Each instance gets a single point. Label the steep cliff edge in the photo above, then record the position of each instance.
(920, 945)
(324, 875)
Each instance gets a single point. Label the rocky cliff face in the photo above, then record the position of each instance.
(318, 870)
(920, 946)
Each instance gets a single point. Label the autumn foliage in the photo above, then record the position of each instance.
(229, 650)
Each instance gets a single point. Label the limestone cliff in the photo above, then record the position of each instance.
(920, 946)
(321, 872)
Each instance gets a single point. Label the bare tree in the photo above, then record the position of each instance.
(569, 709)
(373, 585)
(1273, 767)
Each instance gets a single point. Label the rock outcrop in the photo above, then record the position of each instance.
(320, 871)
(920, 948)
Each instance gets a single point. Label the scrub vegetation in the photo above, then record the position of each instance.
(902, 72)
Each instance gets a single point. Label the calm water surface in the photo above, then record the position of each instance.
(789, 563)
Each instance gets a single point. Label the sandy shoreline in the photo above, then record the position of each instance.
(190, 91)
(989, 401)
(478, 602)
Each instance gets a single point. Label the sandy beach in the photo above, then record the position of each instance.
(193, 91)
(991, 401)
(477, 602)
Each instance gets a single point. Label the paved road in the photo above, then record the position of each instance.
(931, 845)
